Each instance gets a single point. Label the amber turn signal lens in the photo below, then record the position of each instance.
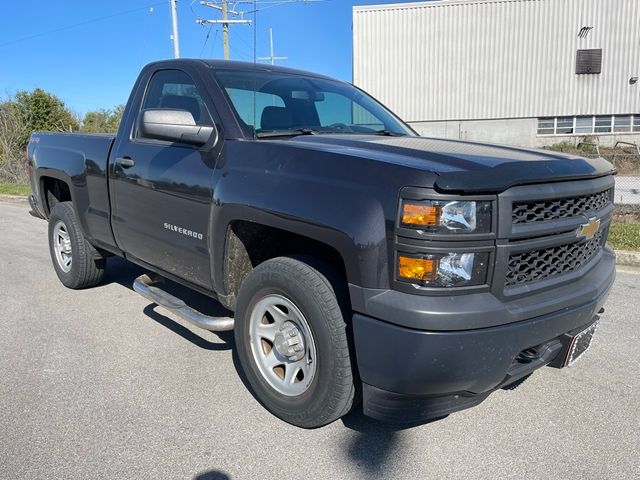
(422, 269)
(422, 215)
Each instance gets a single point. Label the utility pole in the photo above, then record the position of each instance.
(225, 21)
(174, 28)
(272, 57)
(225, 29)
(234, 8)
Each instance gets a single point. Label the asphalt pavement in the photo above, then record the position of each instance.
(101, 384)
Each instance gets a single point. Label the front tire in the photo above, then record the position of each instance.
(291, 340)
(76, 262)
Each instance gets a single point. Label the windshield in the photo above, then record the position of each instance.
(273, 102)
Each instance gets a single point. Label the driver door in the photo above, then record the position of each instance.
(161, 191)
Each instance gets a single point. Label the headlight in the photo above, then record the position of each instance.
(441, 216)
(446, 270)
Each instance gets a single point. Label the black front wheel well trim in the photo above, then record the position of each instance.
(248, 244)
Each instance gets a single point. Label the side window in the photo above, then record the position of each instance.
(242, 100)
(175, 89)
(336, 108)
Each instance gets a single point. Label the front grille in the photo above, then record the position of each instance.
(538, 264)
(543, 210)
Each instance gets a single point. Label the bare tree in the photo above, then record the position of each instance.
(14, 126)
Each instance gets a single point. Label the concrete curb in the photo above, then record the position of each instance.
(13, 199)
(627, 259)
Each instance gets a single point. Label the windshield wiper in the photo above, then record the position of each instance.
(310, 131)
(389, 133)
(286, 133)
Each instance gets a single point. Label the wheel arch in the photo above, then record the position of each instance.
(54, 189)
(246, 244)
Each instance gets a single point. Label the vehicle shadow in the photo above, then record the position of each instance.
(179, 329)
(374, 443)
(123, 272)
(212, 475)
(371, 446)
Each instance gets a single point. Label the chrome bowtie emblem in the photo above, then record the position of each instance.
(590, 228)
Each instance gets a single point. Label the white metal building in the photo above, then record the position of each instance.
(525, 72)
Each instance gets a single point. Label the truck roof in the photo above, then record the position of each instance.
(234, 65)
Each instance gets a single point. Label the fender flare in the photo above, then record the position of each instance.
(359, 261)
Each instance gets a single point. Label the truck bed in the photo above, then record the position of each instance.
(83, 157)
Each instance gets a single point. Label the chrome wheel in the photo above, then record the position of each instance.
(282, 345)
(62, 246)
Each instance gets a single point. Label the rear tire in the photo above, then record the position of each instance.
(291, 340)
(76, 262)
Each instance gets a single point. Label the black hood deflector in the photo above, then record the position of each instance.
(465, 167)
(507, 175)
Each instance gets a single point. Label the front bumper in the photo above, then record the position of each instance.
(416, 374)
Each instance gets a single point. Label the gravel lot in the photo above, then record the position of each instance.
(100, 384)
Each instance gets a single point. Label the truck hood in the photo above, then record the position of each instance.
(463, 166)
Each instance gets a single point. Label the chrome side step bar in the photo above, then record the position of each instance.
(145, 286)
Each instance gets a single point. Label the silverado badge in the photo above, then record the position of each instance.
(590, 228)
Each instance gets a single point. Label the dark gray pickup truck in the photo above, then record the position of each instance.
(359, 262)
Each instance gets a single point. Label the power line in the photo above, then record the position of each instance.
(79, 24)
(206, 40)
(274, 3)
(145, 41)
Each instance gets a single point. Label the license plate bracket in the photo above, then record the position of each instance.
(580, 344)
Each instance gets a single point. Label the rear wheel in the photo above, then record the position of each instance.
(76, 262)
(292, 343)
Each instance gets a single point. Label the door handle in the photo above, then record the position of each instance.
(125, 162)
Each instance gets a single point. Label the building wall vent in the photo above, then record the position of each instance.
(584, 31)
(589, 61)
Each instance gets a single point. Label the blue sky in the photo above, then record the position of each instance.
(93, 64)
